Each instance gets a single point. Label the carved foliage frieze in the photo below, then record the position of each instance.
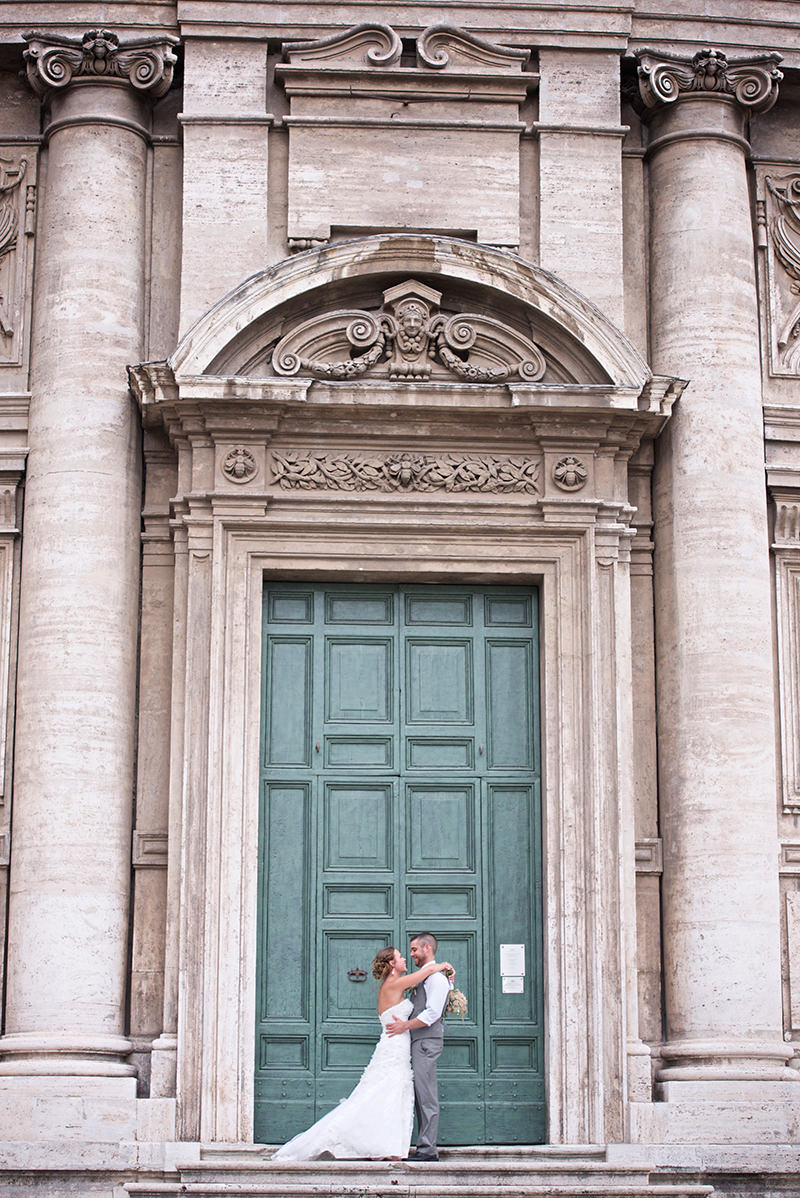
(782, 204)
(296, 470)
(17, 213)
(408, 339)
(53, 61)
(665, 78)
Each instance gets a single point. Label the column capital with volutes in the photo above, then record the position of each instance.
(54, 62)
(751, 82)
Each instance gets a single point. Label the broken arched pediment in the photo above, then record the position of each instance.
(488, 317)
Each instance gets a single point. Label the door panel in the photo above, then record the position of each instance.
(400, 791)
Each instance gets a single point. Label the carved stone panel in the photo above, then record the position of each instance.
(781, 202)
(17, 219)
(454, 473)
(786, 552)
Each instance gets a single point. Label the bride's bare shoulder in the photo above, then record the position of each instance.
(388, 997)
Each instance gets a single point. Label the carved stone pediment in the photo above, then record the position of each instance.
(408, 338)
(439, 48)
(367, 45)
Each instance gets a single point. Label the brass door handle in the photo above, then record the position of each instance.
(357, 975)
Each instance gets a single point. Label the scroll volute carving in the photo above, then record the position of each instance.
(408, 339)
(665, 78)
(53, 61)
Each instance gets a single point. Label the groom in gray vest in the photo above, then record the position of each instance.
(427, 1036)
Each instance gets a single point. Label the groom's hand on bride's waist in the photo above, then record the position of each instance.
(398, 1026)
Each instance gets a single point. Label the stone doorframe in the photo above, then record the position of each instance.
(308, 477)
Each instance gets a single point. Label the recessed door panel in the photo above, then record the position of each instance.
(358, 823)
(439, 681)
(441, 827)
(358, 680)
(400, 793)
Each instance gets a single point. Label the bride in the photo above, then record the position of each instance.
(374, 1122)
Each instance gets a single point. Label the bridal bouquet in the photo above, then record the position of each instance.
(456, 1004)
(457, 1001)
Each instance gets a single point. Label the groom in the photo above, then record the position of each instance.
(427, 1036)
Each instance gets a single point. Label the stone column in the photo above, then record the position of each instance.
(70, 868)
(714, 651)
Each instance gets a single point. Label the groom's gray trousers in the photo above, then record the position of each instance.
(424, 1055)
(426, 1048)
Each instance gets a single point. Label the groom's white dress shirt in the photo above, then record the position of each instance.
(437, 988)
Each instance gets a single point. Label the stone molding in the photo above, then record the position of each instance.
(665, 78)
(649, 855)
(411, 340)
(149, 850)
(789, 864)
(53, 61)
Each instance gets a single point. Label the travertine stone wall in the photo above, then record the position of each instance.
(580, 174)
(225, 169)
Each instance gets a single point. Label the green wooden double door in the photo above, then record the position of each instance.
(400, 792)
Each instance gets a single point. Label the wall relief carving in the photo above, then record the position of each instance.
(783, 223)
(239, 465)
(570, 474)
(17, 214)
(297, 470)
(408, 339)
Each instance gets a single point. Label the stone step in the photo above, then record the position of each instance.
(457, 1175)
(324, 1187)
(484, 1174)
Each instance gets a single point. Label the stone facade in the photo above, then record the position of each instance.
(499, 294)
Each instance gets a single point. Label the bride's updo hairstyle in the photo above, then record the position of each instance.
(382, 965)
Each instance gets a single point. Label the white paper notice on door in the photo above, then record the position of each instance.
(512, 961)
(513, 985)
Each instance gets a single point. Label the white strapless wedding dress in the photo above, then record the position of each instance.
(375, 1121)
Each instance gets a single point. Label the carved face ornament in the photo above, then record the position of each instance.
(412, 324)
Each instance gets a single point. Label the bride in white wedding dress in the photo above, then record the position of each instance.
(375, 1121)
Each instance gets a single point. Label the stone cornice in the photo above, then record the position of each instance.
(53, 62)
(665, 78)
